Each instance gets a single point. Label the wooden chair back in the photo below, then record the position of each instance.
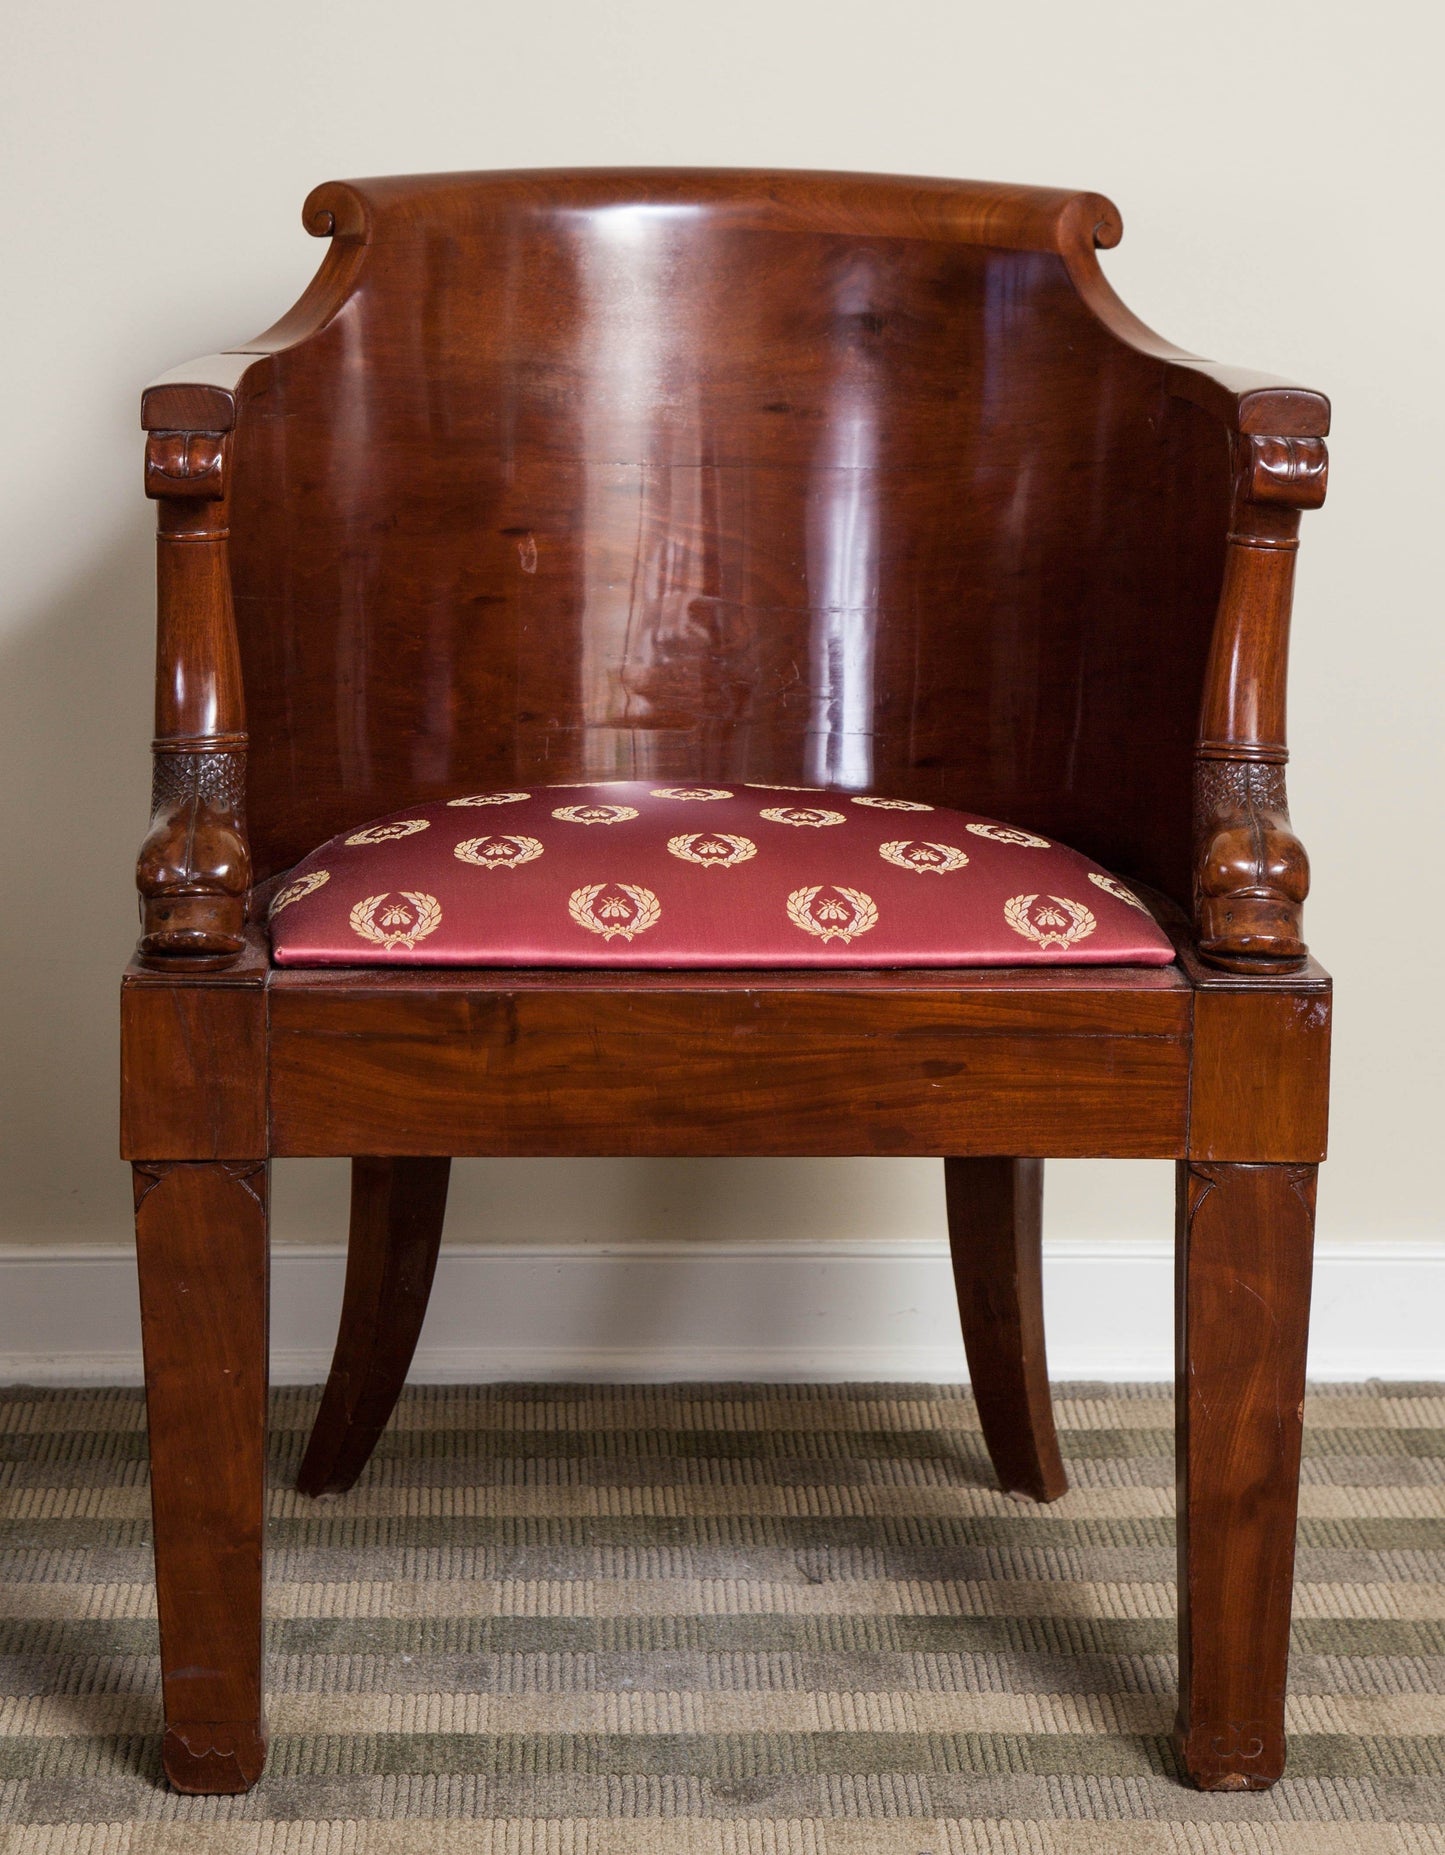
(827, 480)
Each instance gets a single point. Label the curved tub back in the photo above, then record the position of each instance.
(826, 480)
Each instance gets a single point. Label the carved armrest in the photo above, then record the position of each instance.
(1251, 874)
(1246, 404)
(194, 869)
(1251, 871)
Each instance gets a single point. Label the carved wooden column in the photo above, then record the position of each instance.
(1252, 874)
(194, 870)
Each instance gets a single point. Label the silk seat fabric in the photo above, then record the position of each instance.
(637, 874)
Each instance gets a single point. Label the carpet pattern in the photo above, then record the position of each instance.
(722, 1620)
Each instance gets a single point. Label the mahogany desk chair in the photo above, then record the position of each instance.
(519, 490)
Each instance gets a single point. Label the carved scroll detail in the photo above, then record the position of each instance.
(1292, 471)
(186, 465)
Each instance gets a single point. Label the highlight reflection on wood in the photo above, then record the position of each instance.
(829, 480)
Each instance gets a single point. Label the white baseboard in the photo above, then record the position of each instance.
(794, 1310)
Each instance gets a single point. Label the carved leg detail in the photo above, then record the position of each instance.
(1244, 1241)
(397, 1208)
(995, 1219)
(201, 1242)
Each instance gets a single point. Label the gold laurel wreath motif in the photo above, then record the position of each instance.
(739, 849)
(1055, 930)
(800, 814)
(384, 833)
(800, 913)
(472, 850)
(364, 919)
(690, 792)
(600, 814)
(894, 805)
(294, 891)
(492, 798)
(581, 902)
(1007, 834)
(773, 785)
(1112, 886)
(950, 857)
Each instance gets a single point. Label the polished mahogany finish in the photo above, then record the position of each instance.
(203, 1255)
(995, 1229)
(194, 871)
(546, 1063)
(397, 1210)
(827, 480)
(1245, 1238)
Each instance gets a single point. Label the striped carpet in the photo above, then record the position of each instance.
(722, 1620)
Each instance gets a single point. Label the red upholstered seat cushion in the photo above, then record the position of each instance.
(641, 874)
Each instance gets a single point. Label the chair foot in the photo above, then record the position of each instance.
(397, 1210)
(214, 1758)
(1231, 1760)
(995, 1226)
(1243, 1284)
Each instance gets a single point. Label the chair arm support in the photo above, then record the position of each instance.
(1251, 871)
(194, 869)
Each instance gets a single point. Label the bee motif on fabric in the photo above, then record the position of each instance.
(912, 853)
(614, 909)
(392, 924)
(1007, 834)
(1049, 920)
(832, 914)
(498, 852)
(384, 833)
(801, 815)
(595, 814)
(717, 849)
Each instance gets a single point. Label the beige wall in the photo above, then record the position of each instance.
(1278, 164)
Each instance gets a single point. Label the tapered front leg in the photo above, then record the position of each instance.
(201, 1238)
(995, 1231)
(397, 1209)
(1244, 1246)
